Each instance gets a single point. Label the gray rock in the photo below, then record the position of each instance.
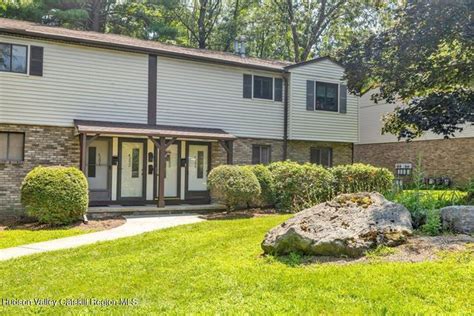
(458, 219)
(349, 225)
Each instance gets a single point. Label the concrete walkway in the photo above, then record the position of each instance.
(134, 225)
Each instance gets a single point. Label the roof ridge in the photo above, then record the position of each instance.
(34, 29)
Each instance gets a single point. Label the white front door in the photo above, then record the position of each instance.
(197, 169)
(98, 169)
(171, 172)
(132, 185)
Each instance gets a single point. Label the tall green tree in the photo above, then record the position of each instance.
(144, 19)
(426, 60)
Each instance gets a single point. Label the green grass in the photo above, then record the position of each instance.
(16, 237)
(217, 267)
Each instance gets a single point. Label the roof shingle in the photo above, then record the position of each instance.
(121, 42)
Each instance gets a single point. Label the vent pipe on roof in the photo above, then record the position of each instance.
(239, 45)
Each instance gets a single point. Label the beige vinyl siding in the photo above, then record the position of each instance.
(370, 124)
(320, 125)
(77, 83)
(205, 95)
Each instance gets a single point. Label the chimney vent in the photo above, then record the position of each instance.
(239, 45)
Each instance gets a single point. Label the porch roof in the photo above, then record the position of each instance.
(132, 129)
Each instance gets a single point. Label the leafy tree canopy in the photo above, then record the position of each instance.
(426, 60)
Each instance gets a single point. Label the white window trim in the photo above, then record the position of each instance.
(273, 89)
(28, 52)
(338, 96)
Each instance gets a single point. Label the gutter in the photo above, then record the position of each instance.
(132, 48)
(285, 117)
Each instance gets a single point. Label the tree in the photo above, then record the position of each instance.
(199, 17)
(426, 60)
(309, 21)
(144, 19)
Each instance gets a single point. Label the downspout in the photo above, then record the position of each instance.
(285, 117)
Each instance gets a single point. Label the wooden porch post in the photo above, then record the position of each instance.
(228, 147)
(162, 145)
(83, 143)
(161, 172)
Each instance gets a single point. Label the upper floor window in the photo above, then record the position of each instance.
(263, 87)
(321, 156)
(13, 58)
(260, 87)
(261, 154)
(12, 146)
(326, 96)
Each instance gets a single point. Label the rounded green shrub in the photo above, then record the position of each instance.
(233, 185)
(267, 185)
(299, 186)
(360, 177)
(55, 195)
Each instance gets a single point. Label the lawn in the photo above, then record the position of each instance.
(217, 267)
(16, 237)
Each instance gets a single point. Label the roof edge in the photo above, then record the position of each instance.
(314, 60)
(131, 48)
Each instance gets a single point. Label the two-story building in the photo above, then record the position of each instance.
(146, 121)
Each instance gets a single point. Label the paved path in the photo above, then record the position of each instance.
(135, 225)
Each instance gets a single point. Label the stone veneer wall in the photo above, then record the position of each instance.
(453, 158)
(44, 145)
(297, 150)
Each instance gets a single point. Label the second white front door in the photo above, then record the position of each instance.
(131, 173)
(197, 170)
(171, 172)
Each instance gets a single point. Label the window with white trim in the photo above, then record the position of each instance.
(13, 58)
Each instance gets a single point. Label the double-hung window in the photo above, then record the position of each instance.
(326, 96)
(261, 154)
(261, 87)
(321, 156)
(13, 58)
(12, 146)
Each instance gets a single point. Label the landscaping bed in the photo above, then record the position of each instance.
(20, 233)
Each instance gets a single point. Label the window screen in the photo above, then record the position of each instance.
(263, 87)
(13, 58)
(321, 156)
(326, 96)
(12, 146)
(261, 154)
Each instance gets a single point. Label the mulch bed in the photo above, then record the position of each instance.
(96, 225)
(239, 214)
(417, 249)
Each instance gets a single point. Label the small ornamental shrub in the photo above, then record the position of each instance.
(55, 195)
(421, 202)
(362, 178)
(267, 185)
(233, 185)
(432, 225)
(299, 186)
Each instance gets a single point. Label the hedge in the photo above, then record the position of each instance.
(360, 177)
(55, 195)
(299, 186)
(267, 185)
(233, 185)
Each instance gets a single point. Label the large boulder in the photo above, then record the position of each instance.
(349, 225)
(458, 219)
